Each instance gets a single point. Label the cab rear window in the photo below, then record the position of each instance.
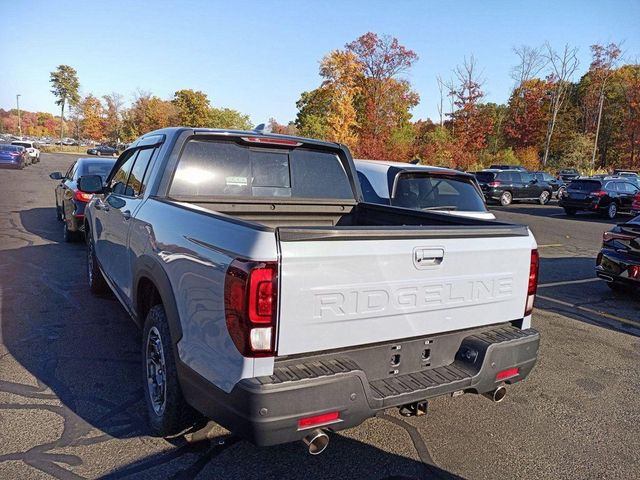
(431, 192)
(485, 177)
(227, 169)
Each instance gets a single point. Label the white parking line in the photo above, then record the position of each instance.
(551, 245)
(569, 282)
(590, 310)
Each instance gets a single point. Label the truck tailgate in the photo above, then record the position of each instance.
(343, 290)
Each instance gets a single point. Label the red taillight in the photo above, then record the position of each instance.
(505, 374)
(634, 272)
(599, 193)
(316, 420)
(494, 184)
(608, 236)
(82, 196)
(272, 141)
(533, 282)
(250, 304)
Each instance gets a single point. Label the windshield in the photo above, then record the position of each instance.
(22, 144)
(424, 191)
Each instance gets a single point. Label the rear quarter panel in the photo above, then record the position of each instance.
(194, 249)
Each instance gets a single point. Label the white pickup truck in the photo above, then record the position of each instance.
(276, 302)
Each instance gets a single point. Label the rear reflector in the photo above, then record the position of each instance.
(494, 184)
(272, 141)
(316, 420)
(634, 272)
(505, 374)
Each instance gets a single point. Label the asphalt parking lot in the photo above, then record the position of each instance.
(71, 403)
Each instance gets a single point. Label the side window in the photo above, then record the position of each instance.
(118, 182)
(515, 177)
(136, 183)
(368, 192)
(540, 177)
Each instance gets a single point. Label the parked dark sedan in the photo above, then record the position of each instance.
(618, 263)
(103, 150)
(506, 186)
(13, 156)
(70, 201)
(606, 196)
(568, 174)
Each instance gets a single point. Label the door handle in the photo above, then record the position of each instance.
(126, 214)
(425, 257)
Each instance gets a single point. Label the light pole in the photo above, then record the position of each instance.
(19, 125)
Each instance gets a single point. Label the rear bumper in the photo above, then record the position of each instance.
(266, 410)
(614, 266)
(591, 205)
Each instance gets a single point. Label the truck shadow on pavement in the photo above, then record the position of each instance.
(73, 359)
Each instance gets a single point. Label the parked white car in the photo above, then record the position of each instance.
(32, 151)
(422, 187)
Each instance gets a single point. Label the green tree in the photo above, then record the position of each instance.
(65, 87)
(313, 108)
(192, 108)
(113, 116)
(228, 118)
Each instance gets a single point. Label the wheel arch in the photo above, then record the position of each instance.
(152, 286)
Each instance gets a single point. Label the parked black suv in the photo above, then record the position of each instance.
(505, 186)
(553, 182)
(607, 196)
(568, 174)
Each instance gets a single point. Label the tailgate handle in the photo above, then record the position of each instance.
(424, 257)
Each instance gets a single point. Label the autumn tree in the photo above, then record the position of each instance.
(113, 116)
(385, 99)
(472, 125)
(65, 87)
(602, 64)
(91, 113)
(527, 113)
(148, 113)
(563, 66)
(342, 73)
(192, 108)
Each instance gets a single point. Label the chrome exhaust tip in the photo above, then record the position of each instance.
(317, 442)
(496, 395)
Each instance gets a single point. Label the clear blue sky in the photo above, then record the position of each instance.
(258, 56)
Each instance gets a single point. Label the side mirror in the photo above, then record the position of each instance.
(56, 176)
(90, 184)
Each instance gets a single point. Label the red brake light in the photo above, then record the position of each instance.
(634, 271)
(318, 420)
(494, 184)
(533, 282)
(82, 196)
(599, 193)
(505, 374)
(272, 141)
(250, 304)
